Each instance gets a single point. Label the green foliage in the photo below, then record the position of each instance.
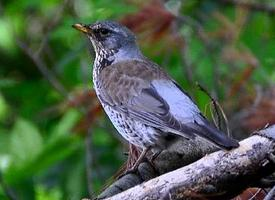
(25, 143)
(6, 40)
(3, 108)
(43, 145)
(29, 153)
(41, 193)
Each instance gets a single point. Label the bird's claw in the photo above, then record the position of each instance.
(132, 170)
(271, 157)
(153, 157)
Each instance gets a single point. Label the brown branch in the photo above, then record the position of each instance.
(34, 55)
(252, 6)
(180, 153)
(42, 68)
(51, 24)
(221, 174)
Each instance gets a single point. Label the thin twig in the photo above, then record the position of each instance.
(88, 161)
(43, 68)
(214, 103)
(253, 6)
(224, 118)
(199, 30)
(213, 116)
(51, 24)
(35, 54)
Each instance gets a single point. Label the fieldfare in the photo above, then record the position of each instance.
(143, 102)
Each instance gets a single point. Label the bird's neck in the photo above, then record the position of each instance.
(105, 58)
(127, 53)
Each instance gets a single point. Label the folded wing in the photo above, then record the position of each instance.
(145, 93)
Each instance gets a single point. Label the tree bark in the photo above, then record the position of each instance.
(220, 175)
(180, 152)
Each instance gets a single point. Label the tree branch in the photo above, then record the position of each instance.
(179, 153)
(252, 6)
(271, 194)
(222, 174)
(43, 68)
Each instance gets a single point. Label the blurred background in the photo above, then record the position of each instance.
(55, 141)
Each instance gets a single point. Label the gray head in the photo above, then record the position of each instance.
(109, 37)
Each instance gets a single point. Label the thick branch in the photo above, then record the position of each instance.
(218, 175)
(179, 153)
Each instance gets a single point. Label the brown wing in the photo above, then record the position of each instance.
(127, 87)
(144, 92)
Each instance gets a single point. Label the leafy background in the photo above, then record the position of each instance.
(56, 143)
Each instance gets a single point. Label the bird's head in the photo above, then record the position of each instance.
(110, 37)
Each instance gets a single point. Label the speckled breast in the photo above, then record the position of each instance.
(132, 130)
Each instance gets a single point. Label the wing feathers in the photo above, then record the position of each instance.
(146, 93)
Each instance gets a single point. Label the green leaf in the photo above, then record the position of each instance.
(26, 142)
(42, 193)
(6, 82)
(55, 152)
(101, 137)
(4, 162)
(6, 36)
(2, 194)
(76, 180)
(30, 155)
(4, 141)
(3, 108)
(63, 128)
(5, 158)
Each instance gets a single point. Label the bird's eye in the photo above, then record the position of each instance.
(103, 32)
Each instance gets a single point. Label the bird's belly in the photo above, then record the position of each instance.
(133, 131)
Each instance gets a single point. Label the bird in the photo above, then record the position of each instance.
(142, 101)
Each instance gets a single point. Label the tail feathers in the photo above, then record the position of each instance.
(212, 134)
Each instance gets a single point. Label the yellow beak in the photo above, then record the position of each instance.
(82, 27)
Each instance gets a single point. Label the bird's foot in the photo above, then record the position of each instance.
(134, 168)
(153, 157)
(268, 181)
(271, 157)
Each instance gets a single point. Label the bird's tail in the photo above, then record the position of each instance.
(212, 134)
